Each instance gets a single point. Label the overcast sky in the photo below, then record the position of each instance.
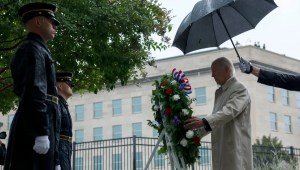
(279, 30)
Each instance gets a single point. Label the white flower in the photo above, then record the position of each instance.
(173, 82)
(156, 108)
(189, 134)
(184, 142)
(175, 97)
(185, 111)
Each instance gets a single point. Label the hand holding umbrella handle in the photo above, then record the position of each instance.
(245, 66)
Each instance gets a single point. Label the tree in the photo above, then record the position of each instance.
(269, 154)
(103, 42)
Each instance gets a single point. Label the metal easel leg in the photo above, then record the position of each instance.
(162, 134)
(173, 156)
(174, 160)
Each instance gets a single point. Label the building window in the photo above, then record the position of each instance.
(285, 97)
(287, 124)
(137, 104)
(79, 135)
(139, 160)
(298, 99)
(155, 133)
(137, 129)
(200, 96)
(98, 110)
(270, 93)
(117, 131)
(97, 133)
(10, 119)
(98, 162)
(273, 121)
(79, 163)
(159, 160)
(79, 112)
(204, 154)
(117, 107)
(117, 162)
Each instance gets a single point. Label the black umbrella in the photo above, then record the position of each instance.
(212, 22)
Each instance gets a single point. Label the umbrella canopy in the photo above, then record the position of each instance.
(212, 22)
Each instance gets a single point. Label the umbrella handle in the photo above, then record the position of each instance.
(219, 14)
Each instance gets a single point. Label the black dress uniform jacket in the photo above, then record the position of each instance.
(281, 80)
(65, 146)
(34, 79)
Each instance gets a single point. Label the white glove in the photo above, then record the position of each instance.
(57, 167)
(245, 66)
(41, 145)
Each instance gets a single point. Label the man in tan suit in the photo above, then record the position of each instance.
(229, 123)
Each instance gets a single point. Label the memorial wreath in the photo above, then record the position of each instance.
(172, 106)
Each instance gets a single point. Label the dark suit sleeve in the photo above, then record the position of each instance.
(281, 80)
(206, 125)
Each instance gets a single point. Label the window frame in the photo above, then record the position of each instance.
(115, 134)
(78, 132)
(273, 122)
(202, 96)
(139, 131)
(97, 112)
(117, 111)
(79, 116)
(136, 105)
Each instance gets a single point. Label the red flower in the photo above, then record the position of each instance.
(169, 91)
(168, 111)
(196, 140)
(164, 83)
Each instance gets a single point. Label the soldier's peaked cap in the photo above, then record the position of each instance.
(34, 9)
(65, 77)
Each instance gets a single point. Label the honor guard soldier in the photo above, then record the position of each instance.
(34, 132)
(65, 91)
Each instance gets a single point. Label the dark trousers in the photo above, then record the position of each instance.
(65, 153)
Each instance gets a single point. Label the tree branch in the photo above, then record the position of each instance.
(3, 69)
(6, 87)
(10, 48)
(11, 40)
(4, 78)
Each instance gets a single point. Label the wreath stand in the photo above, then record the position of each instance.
(174, 160)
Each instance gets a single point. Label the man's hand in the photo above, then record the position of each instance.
(41, 145)
(245, 66)
(193, 123)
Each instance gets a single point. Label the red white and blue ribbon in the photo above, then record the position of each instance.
(180, 77)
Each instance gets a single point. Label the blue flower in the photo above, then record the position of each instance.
(181, 87)
(176, 120)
